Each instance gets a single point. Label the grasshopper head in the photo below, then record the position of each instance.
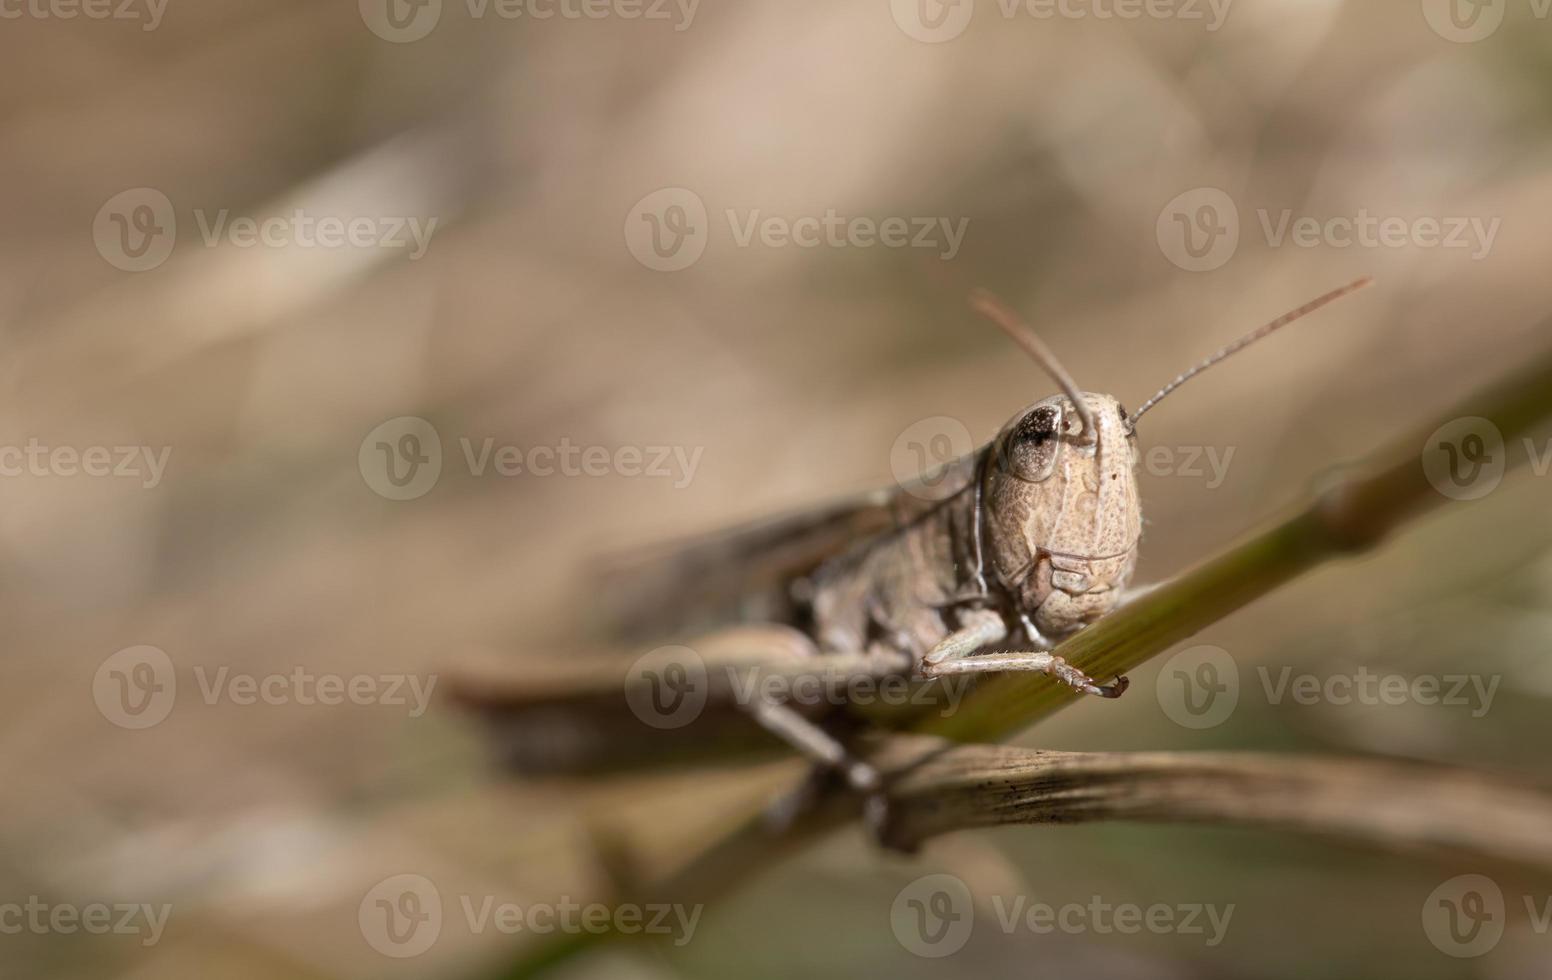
(1063, 512)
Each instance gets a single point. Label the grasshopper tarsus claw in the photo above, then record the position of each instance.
(1114, 689)
(1075, 678)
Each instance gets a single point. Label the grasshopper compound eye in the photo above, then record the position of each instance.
(1029, 447)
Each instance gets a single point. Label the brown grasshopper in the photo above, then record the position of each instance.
(1022, 543)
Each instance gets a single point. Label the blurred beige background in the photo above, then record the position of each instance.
(1060, 146)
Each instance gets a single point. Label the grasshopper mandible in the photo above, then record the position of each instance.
(1024, 541)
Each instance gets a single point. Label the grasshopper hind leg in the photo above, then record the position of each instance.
(831, 758)
(817, 744)
(787, 807)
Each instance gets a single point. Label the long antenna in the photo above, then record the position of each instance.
(1251, 338)
(999, 313)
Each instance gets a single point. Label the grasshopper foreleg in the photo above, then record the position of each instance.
(980, 627)
(955, 655)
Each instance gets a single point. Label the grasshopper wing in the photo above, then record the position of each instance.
(747, 574)
(742, 574)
